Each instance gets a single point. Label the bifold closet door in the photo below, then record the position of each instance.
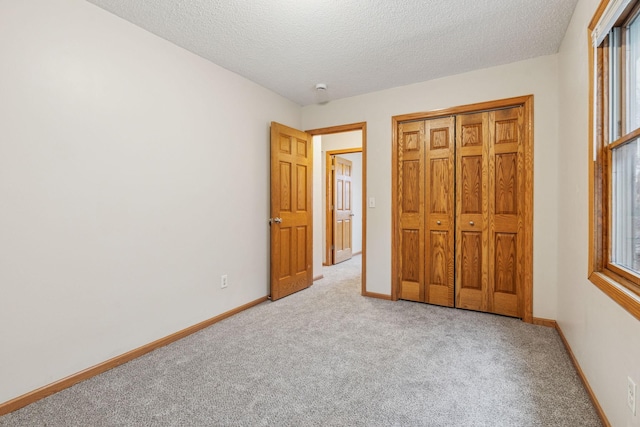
(439, 198)
(472, 211)
(426, 210)
(490, 211)
(410, 208)
(507, 248)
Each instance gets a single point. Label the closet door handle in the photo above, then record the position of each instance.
(438, 222)
(471, 223)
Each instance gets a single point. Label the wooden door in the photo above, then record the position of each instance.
(342, 209)
(491, 212)
(472, 211)
(291, 210)
(470, 225)
(439, 200)
(507, 251)
(411, 211)
(426, 210)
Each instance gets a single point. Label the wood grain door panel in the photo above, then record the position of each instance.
(342, 209)
(463, 215)
(440, 212)
(411, 211)
(472, 182)
(291, 203)
(506, 209)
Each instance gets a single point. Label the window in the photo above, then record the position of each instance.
(625, 207)
(615, 169)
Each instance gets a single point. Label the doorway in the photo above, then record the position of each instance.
(343, 218)
(350, 141)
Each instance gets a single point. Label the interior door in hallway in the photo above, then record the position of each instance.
(291, 210)
(342, 201)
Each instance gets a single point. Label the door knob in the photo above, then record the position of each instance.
(438, 222)
(352, 214)
(277, 220)
(471, 223)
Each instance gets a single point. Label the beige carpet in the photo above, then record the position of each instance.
(327, 356)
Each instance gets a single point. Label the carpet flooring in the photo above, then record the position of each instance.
(327, 356)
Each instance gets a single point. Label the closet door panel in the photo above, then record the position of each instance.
(506, 184)
(471, 182)
(411, 210)
(411, 266)
(505, 270)
(472, 214)
(506, 190)
(440, 198)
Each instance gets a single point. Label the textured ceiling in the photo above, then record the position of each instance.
(354, 46)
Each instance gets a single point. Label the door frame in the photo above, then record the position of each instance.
(527, 103)
(329, 198)
(361, 126)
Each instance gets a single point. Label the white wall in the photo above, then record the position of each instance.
(119, 155)
(604, 337)
(537, 76)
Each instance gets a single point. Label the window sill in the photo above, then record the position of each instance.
(628, 299)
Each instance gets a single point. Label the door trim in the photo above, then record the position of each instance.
(527, 103)
(328, 199)
(361, 126)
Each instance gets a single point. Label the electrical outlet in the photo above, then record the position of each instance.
(223, 281)
(631, 395)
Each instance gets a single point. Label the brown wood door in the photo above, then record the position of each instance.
(342, 209)
(291, 210)
(410, 208)
(426, 154)
(490, 205)
(506, 211)
(481, 255)
(440, 214)
(472, 211)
